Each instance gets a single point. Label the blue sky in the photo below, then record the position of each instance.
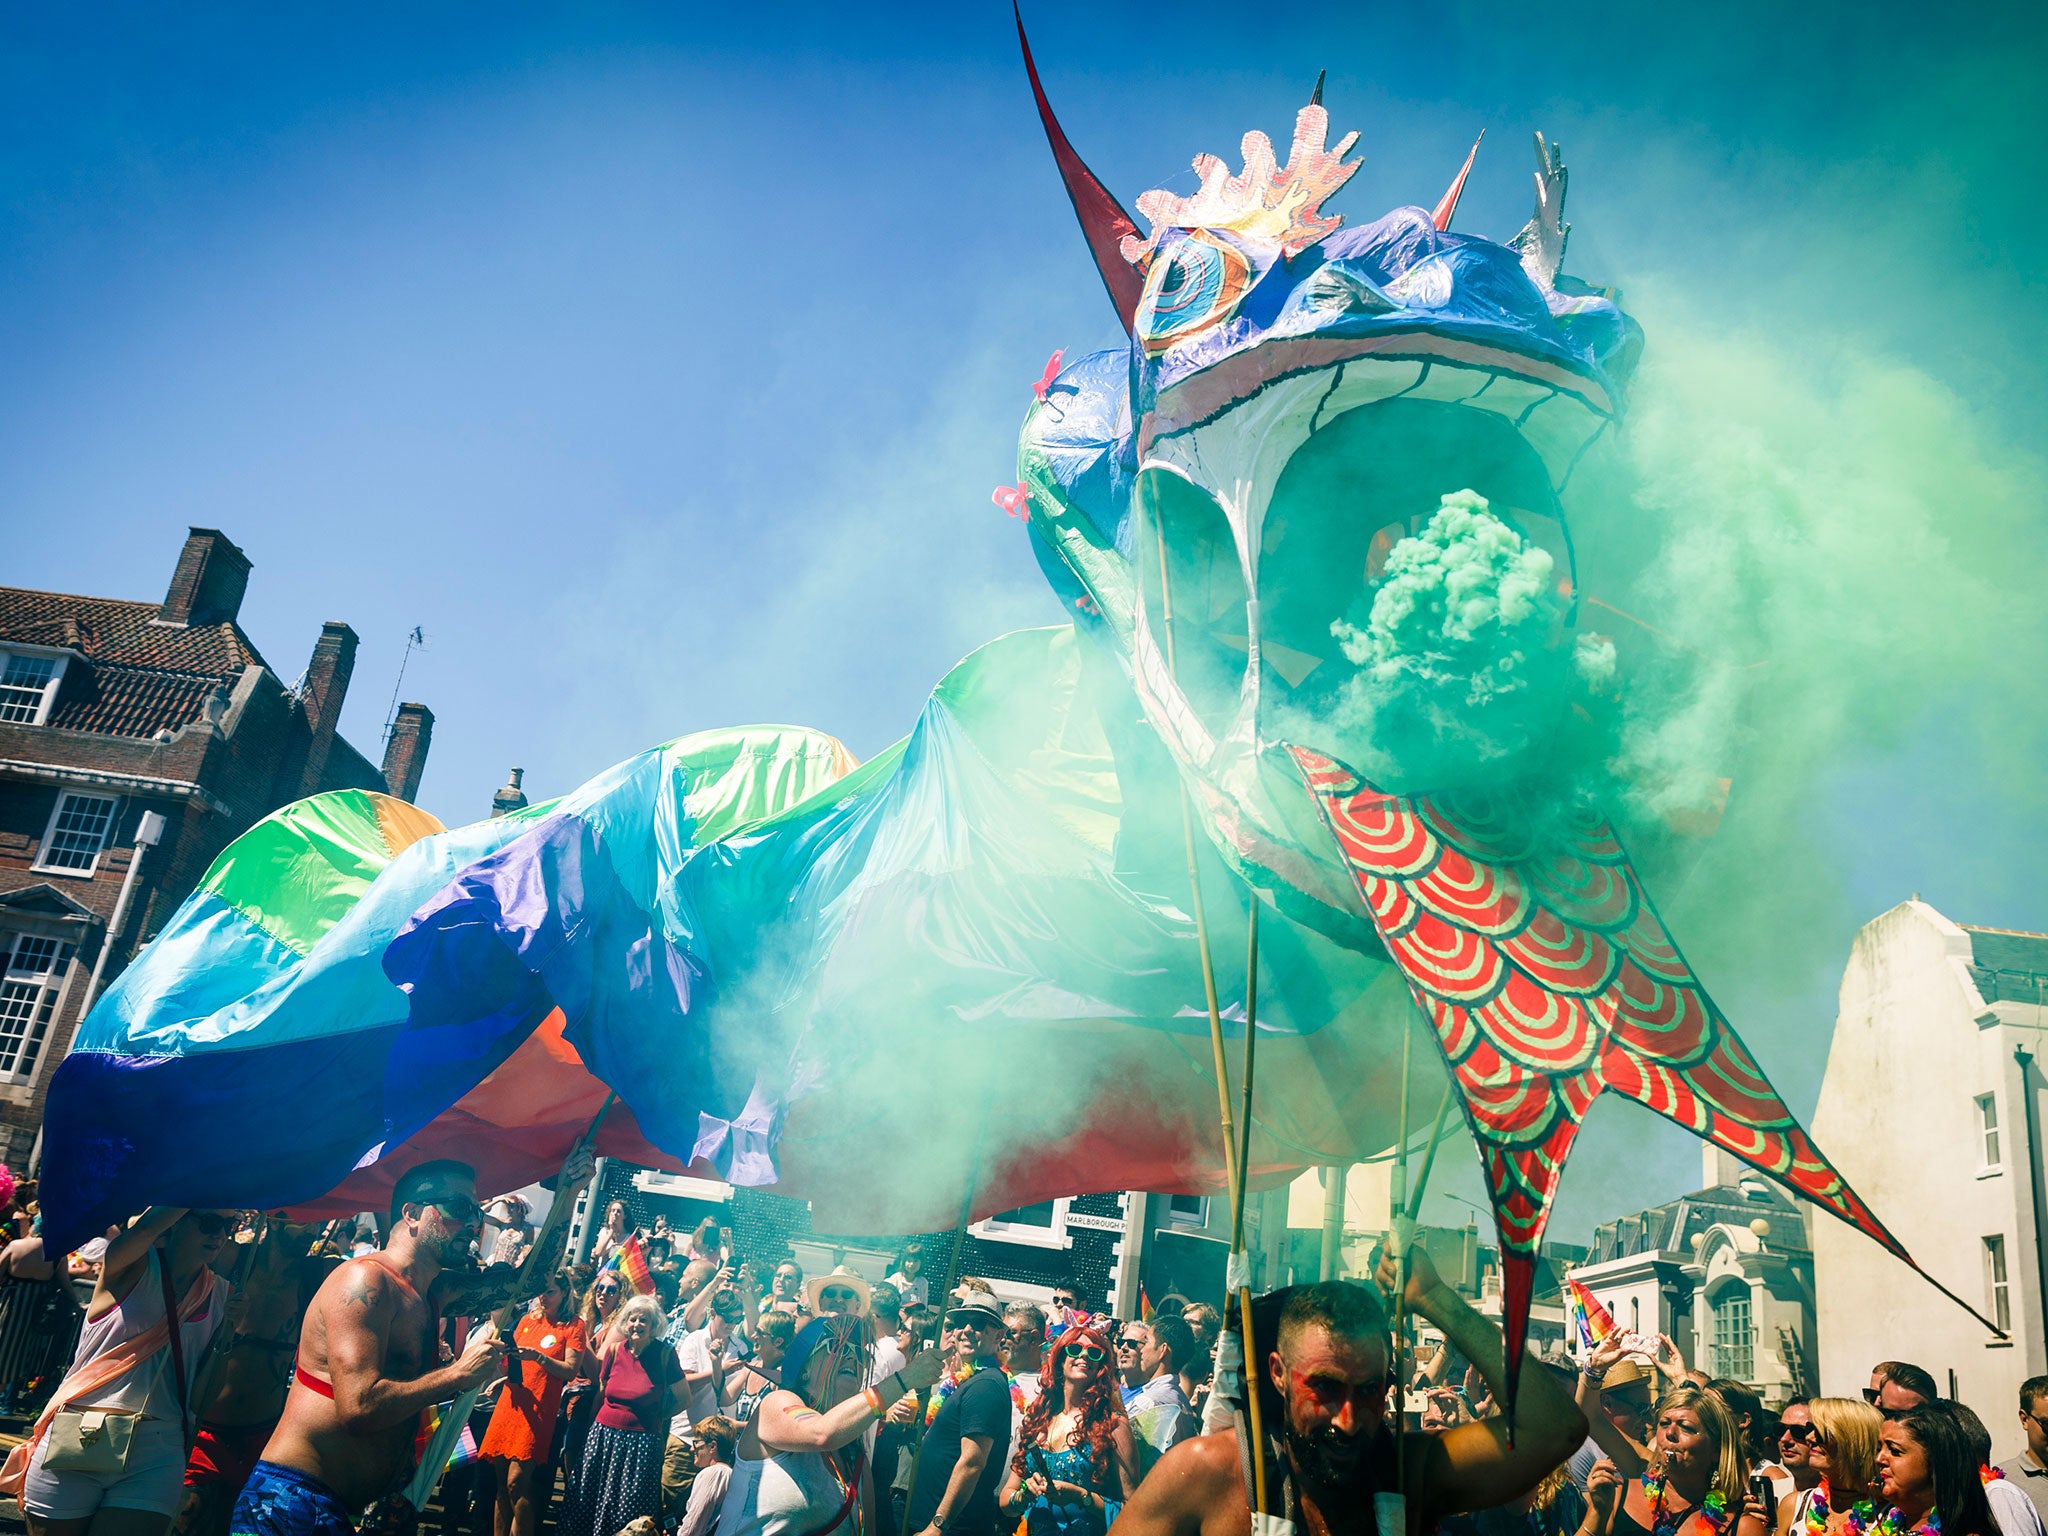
(659, 360)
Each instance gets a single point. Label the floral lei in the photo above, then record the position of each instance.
(1890, 1523)
(1860, 1517)
(1712, 1510)
(949, 1383)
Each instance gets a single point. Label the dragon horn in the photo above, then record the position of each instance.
(1447, 205)
(1103, 220)
(1316, 96)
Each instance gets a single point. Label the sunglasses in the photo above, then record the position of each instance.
(209, 1223)
(1061, 1300)
(1094, 1354)
(1802, 1433)
(839, 1296)
(467, 1212)
(969, 1320)
(1127, 1342)
(606, 1288)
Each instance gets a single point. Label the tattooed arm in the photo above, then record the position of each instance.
(359, 1306)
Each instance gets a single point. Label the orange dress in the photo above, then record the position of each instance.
(523, 1423)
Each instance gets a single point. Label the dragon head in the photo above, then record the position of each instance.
(1318, 499)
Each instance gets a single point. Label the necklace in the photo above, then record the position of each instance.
(1712, 1510)
(1858, 1517)
(1892, 1523)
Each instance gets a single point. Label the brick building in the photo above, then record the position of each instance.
(151, 732)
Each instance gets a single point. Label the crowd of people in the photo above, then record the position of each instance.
(230, 1373)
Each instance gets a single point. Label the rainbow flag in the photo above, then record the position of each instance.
(630, 1260)
(1594, 1321)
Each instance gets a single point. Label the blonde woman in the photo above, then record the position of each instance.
(1696, 1484)
(1845, 1434)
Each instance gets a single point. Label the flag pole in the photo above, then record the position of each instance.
(1236, 1152)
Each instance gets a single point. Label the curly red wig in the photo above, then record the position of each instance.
(1102, 1406)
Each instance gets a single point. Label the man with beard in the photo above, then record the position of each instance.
(366, 1367)
(1334, 1450)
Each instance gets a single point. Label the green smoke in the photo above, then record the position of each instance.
(1460, 666)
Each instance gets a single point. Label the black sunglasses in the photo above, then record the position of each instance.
(208, 1223)
(1800, 1432)
(1061, 1300)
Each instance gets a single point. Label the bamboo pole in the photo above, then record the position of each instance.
(1400, 1227)
(1236, 1153)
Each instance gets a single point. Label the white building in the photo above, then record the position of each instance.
(1932, 1108)
(1726, 1272)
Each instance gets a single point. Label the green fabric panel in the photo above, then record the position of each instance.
(296, 872)
(745, 775)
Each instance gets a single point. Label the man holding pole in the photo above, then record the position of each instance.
(367, 1362)
(1334, 1450)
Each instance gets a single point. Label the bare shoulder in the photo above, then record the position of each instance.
(358, 1291)
(1196, 1486)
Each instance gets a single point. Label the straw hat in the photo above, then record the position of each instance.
(840, 1277)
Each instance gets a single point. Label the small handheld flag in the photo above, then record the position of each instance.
(630, 1260)
(1594, 1321)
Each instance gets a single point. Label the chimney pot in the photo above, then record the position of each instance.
(208, 584)
(405, 754)
(510, 798)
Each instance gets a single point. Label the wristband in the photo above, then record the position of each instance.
(874, 1398)
(1593, 1377)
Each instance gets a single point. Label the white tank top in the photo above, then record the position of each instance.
(791, 1493)
(148, 1388)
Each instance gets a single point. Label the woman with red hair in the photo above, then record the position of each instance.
(1076, 1462)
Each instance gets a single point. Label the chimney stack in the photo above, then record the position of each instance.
(405, 754)
(208, 584)
(325, 689)
(510, 798)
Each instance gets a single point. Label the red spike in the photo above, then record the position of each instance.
(1447, 206)
(1103, 220)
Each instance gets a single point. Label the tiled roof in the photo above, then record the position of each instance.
(128, 701)
(2004, 949)
(2009, 966)
(112, 629)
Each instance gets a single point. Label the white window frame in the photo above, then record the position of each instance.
(50, 688)
(1990, 1144)
(50, 829)
(1054, 1236)
(1196, 1221)
(47, 1004)
(1997, 1280)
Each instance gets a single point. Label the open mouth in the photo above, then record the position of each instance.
(1317, 534)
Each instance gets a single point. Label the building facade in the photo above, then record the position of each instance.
(1119, 1249)
(1932, 1108)
(137, 739)
(1727, 1273)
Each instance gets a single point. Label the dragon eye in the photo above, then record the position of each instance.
(1195, 284)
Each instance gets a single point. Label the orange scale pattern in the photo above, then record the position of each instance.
(1482, 897)
(1550, 979)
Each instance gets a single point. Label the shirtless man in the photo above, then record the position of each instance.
(250, 1386)
(366, 1367)
(1335, 1449)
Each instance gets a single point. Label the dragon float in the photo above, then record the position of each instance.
(1320, 685)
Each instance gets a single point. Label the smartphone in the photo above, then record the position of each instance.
(1764, 1492)
(927, 1344)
